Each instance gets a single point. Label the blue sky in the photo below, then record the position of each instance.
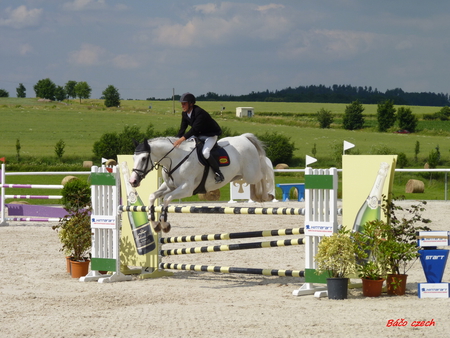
(146, 48)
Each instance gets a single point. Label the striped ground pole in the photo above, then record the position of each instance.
(32, 186)
(224, 269)
(31, 219)
(217, 210)
(232, 235)
(231, 247)
(39, 197)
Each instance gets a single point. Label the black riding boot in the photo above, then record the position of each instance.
(215, 168)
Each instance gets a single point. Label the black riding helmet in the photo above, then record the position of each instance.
(187, 97)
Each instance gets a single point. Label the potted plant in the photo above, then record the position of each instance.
(74, 229)
(372, 262)
(388, 247)
(401, 242)
(336, 256)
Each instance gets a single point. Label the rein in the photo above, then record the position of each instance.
(143, 173)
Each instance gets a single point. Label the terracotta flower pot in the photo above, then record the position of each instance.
(80, 269)
(372, 287)
(396, 284)
(68, 264)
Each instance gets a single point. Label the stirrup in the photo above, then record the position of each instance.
(218, 177)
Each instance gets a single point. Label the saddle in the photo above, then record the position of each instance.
(219, 153)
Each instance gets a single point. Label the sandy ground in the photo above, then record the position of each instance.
(39, 299)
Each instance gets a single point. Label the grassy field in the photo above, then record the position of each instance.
(39, 126)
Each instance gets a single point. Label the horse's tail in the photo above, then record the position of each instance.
(263, 190)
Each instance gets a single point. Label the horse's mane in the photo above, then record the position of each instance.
(164, 138)
(172, 139)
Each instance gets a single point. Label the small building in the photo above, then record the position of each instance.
(245, 111)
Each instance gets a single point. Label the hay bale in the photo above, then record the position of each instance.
(110, 163)
(68, 179)
(282, 166)
(19, 202)
(426, 166)
(210, 196)
(87, 164)
(414, 186)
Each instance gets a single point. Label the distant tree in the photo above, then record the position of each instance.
(4, 93)
(353, 118)
(45, 89)
(402, 160)
(18, 147)
(416, 150)
(406, 119)
(112, 96)
(83, 90)
(21, 91)
(70, 89)
(325, 118)
(126, 137)
(107, 146)
(279, 148)
(59, 149)
(60, 93)
(434, 158)
(443, 114)
(386, 115)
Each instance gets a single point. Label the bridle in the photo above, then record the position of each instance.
(142, 173)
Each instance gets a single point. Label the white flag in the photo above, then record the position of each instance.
(348, 145)
(104, 160)
(310, 160)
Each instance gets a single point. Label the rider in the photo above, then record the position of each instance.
(203, 126)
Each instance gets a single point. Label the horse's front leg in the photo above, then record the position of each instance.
(178, 193)
(162, 191)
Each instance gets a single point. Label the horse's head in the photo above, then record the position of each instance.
(143, 163)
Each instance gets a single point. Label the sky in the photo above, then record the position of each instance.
(152, 48)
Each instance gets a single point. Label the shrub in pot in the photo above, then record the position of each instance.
(401, 242)
(74, 229)
(336, 256)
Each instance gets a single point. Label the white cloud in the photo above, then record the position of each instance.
(88, 55)
(326, 44)
(206, 9)
(269, 7)
(80, 5)
(226, 23)
(21, 17)
(125, 61)
(25, 49)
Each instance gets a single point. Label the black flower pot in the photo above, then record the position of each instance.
(337, 288)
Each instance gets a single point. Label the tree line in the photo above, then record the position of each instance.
(336, 94)
(47, 89)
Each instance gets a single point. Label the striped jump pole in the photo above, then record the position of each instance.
(232, 247)
(217, 210)
(232, 235)
(224, 269)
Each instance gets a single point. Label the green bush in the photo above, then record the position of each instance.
(386, 115)
(406, 119)
(279, 148)
(402, 161)
(353, 116)
(325, 118)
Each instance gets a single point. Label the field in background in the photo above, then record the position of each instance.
(39, 126)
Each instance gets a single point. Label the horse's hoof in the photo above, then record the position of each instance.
(167, 228)
(157, 226)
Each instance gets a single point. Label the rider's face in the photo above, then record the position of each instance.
(186, 106)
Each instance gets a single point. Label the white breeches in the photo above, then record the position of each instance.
(209, 144)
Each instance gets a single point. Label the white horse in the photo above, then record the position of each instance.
(183, 171)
